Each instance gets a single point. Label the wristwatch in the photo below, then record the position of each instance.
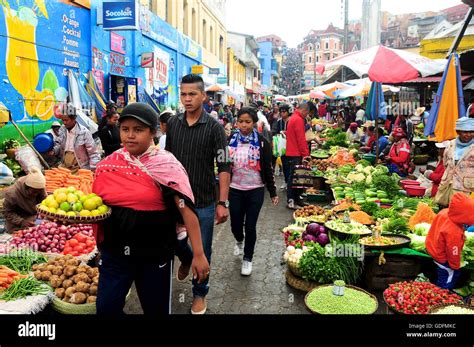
(224, 203)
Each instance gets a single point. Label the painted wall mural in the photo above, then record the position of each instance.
(39, 42)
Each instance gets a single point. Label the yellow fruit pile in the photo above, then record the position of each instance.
(74, 203)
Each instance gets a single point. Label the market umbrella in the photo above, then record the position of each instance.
(361, 87)
(448, 105)
(316, 94)
(388, 65)
(77, 96)
(376, 109)
(215, 88)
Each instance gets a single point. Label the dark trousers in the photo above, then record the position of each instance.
(244, 208)
(291, 193)
(286, 168)
(152, 280)
(447, 277)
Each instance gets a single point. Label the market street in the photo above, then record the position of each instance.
(264, 292)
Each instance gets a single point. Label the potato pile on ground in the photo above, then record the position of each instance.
(72, 282)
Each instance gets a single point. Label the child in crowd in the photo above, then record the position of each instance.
(446, 237)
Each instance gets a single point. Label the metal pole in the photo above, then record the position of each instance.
(377, 106)
(461, 32)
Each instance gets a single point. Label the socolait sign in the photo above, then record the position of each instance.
(120, 15)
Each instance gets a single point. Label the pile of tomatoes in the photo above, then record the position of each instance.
(80, 244)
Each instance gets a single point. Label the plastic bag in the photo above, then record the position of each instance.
(6, 175)
(279, 146)
(27, 159)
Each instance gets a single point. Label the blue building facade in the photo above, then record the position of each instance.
(266, 58)
(39, 45)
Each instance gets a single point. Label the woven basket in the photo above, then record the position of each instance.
(294, 270)
(347, 286)
(438, 307)
(299, 283)
(72, 220)
(85, 309)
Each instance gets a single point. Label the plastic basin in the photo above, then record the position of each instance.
(406, 183)
(415, 191)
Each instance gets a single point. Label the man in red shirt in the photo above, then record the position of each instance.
(296, 149)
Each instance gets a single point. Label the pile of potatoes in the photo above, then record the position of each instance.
(309, 211)
(72, 282)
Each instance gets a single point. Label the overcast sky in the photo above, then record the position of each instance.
(293, 19)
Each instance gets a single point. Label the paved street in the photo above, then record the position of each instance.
(264, 292)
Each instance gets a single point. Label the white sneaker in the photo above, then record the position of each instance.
(239, 248)
(246, 268)
(283, 186)
(291, 204)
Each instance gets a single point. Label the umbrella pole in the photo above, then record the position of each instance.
(377, 106)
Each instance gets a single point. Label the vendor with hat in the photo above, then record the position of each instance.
(353, 134)
(459, 159)
(398, 160)
(54, 131)
(19, 207)
(420, 116)
(436, 175)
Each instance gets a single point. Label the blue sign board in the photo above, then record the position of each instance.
(213, 71)
(157, 29)
(120, 15)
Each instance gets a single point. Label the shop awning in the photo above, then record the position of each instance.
(249, 91)
(435, 79)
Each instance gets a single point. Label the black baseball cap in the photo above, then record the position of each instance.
(284, 107)
(142, 112)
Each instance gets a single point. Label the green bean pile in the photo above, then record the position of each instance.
(323, 301)
(24, 287)
(22, 261)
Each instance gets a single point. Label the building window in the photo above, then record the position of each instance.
(310, 47)
(169, 11)
(194, 24)
(317, 59)
(204, 33)
(186, 18)
(326, 45)
(211, 39)
(335, 45)
(318, 46)
(221, 48)
(310, 60)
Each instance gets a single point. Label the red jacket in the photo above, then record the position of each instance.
(296, 145)
(436, 177)
(400, 152)
(445, 239)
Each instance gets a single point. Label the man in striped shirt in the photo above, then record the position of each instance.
(197, 141)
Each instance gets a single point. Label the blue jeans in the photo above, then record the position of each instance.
(245, 206)
(206, 217)
(447, 277)
(152, 280)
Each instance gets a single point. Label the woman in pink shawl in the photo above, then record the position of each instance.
(149, 193)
